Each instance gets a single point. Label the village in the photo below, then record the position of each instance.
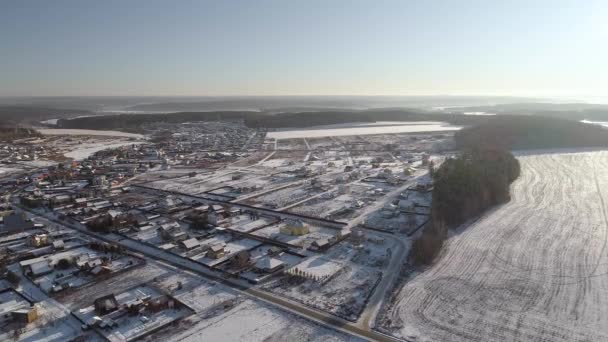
(133, 237)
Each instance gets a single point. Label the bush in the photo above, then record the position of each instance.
(12, 277)
(63, 264)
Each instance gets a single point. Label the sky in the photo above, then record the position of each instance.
(303, 47)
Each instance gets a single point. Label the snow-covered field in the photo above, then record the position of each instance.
(251, 322)
(534, 269)
(363, 129)
(66, 131)
(87, 149)
(8, 170)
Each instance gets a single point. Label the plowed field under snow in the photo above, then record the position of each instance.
(534, 269)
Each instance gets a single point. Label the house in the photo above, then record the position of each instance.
(167, 247)
(269, 264)
(216, 251)
(343, 233)
(58, 244)
(294, 227)
(320, 245)
(190, 244)
(241, 259)
(38, 240)
(172, 232)
(25, 315)
(106, 304)
(36, 267)
(213, 217)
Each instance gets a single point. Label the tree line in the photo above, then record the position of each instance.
(464, 187)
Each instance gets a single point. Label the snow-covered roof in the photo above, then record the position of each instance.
(191, 243)
(268, 263)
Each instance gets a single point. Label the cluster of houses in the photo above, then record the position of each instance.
(20, 151)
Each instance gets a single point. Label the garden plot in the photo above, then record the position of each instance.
(322, 143)
(284, 197)
(252, 159)
(292, 144)
(130, 326)
(401, 222)
(200, 295)
(284, 160)
(75, 268)
(203, 183)
(243, 223)
(250, 321)
(336, 205)
(84, 296)
(331, 283)
(231, 248)
(533, 269)
(316, 233)
(54, 323)
(329, 159)
(323, 207)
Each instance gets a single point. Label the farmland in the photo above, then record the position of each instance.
(533, 269)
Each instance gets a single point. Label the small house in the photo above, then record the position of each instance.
(320, 245)
(294, 227)
(269, 264)
(216, 251)
(25, 315)
(190, 244)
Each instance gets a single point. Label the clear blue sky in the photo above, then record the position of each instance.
(224, 47)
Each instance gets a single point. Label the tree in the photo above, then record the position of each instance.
(463, 188)
(12, 277)
(63, 264)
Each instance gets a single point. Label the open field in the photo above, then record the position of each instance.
(363, 129)
(64, 131)
(534, 269)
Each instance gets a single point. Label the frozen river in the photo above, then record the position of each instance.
(534, 269)
(366, 128)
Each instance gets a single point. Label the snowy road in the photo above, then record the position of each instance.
(535, 269)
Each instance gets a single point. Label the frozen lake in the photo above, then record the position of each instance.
(363, 128)
(65, 131)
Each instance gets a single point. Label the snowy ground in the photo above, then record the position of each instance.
(363, 129)
(534, 269)
(252, 322)
(4, 170)
(87, 149)
(63, 131)
(351, 275)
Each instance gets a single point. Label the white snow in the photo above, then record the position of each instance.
(363, 129)
(533, 269)
(8, 170)
(85, 150)
(252, 322)
(65, 131)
